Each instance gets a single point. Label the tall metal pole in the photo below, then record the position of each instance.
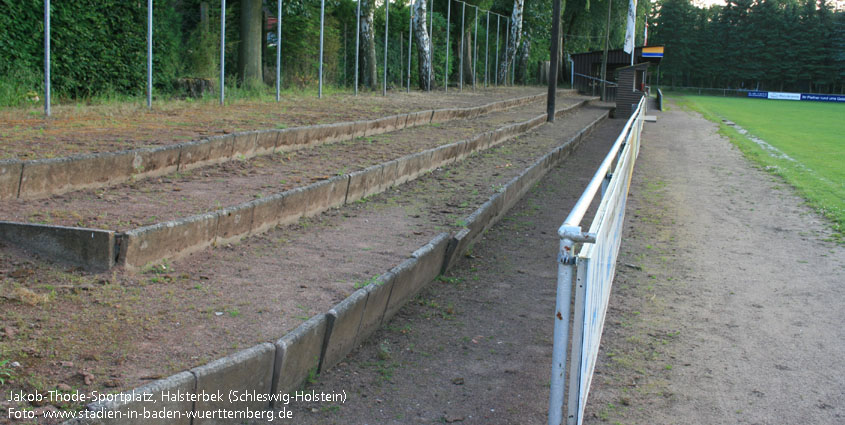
(496, 69)
(475, 49)
(461, 55)
(448, 21)
(222, 51)
(278, 50)
(150, 54)
(47, 58)
(410, 42)
(431, 41)
(386, 18)
(322, 27)
(486, 47)
(357, 44)
(550, 98)
(604, 55)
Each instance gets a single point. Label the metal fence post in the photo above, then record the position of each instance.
(410, 41)
(222, 51)
(475, 50)
(386, 19)
(357, 44)
(430, 41)
(448, 27)
(461, 54)
(565, 268)
(278, 50)
(486, 48)
(322, 25)
(47, 111)
(496, 69)
(149, 54)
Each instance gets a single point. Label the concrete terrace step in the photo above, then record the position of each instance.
(44, 177)
(183, 195)
(314, 265)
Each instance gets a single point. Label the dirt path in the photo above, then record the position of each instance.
(475, 347)
(74, 129)
(734, 317)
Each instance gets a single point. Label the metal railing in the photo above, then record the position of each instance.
(659, 99)
(593, 269)
(588, 84)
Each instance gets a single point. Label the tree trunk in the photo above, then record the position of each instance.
(249, 51)
(468, 74)
(513, 39)
(369, 76)
(423, 42)
(522, 68)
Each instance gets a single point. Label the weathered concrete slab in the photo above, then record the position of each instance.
(279, 209)
(133, 405)
(443, 115)
(213, 150)
(364, 183)
(246, 372)
(378, 294)
(390, 175)
(154, 162)
(481, 219)
(419, 118)
(286, 140)
(456, 249)
(401, 292)
(44, 177)
(172, 239)
(92, 249)
(265, 141)
(298, 354)
(244, 145)
(343, 324)
(416, 272)
(234, 223)
(325, 194)
(10, 178)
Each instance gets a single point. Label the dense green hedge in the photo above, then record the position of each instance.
(97, 46)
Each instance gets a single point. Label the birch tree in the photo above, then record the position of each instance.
(369, 76)
(514, 38)
(423, 42)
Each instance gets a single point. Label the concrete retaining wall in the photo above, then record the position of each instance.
(46, 177)
(500, 203)
(169, 240)
(325, 339)
(93, 249)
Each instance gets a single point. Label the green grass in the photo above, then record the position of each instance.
(811, 133)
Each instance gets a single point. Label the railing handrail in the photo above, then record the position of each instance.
(595, 78)
(580, 209)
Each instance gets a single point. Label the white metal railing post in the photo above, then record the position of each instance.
(565, 267)
(579, 273)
